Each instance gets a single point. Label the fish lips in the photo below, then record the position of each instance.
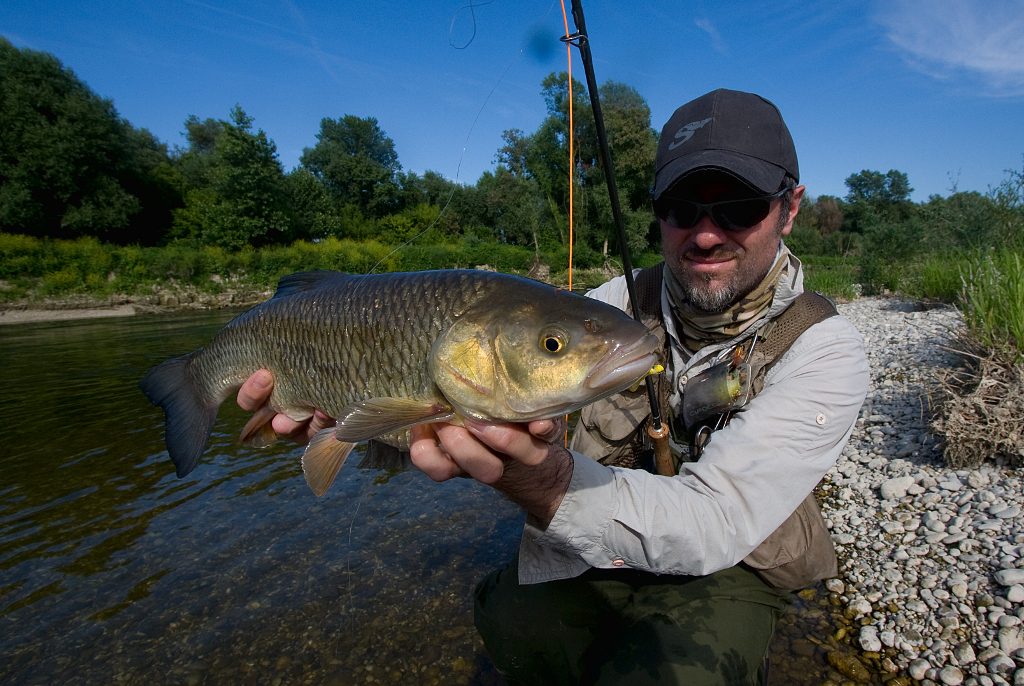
(624, 366)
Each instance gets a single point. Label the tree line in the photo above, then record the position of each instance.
(71, 166)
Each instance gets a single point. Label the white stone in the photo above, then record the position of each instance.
(1009, 577)
(858, 607)
(1000, 664)
(869, 640)
(835, 585)
(1010, 638)
(964, 654)
(918, 668)
(951, 676)
(894, 489)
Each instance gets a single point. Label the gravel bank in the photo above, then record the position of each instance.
(931, 558)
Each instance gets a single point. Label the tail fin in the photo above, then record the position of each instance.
(189, 421)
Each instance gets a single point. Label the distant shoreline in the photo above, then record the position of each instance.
(30, 316)
(126, 306)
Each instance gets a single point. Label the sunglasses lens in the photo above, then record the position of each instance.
(681, 214)
(741, 214)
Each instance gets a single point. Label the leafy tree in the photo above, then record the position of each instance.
(516, 210)
(311, 211)
(196, 162)
(357, 162)
(876, 188)
(875, 197)
(69, 165)
(242, 197)
(513, 154)
(828, 214)
(543, 158)
(632, 141)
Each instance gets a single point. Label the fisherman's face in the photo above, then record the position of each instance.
(717, 266)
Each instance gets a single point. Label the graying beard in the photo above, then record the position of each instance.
(707, 300)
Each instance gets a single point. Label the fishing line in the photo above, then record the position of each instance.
(469, 134)
(572, 160)
(568, 57)
(472, 16)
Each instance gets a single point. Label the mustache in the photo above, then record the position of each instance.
(716, 253)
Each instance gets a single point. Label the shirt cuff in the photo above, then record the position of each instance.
(585, 510)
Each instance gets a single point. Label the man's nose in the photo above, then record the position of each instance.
(707, 234)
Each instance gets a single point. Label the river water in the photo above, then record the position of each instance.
(114, 571)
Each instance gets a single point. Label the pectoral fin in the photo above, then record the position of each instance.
(322, 460)
(379, 416)
(258, 432)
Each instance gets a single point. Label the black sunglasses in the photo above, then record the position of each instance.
(731, 215)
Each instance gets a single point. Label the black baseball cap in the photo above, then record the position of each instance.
(739, 133)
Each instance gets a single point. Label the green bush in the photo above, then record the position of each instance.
(940, 278)
(21, 256)
(993, 301)
(62, 282)
(834, 277)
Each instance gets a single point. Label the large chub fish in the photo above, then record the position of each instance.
(384, 352)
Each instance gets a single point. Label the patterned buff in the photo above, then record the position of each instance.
(699, 329)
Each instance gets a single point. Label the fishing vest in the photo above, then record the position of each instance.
(800, 551)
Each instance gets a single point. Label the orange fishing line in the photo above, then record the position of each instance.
(568, 59)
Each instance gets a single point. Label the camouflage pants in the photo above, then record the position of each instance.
(623, 626)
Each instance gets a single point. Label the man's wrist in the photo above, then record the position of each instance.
(538, 489)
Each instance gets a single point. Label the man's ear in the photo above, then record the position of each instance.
(794, 207)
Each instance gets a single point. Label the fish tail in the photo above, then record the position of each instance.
(189, 420)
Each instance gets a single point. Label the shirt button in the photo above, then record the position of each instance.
(618, 563)
(820, 419)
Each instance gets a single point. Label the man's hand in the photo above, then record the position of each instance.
(521, 460)
(253, 396)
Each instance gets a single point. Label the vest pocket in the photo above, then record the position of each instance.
(798, 553)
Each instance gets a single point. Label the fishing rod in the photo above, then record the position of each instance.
(657, 429)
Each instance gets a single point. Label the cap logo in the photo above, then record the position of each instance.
(686, 132)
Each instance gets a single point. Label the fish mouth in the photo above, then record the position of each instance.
(624, 366)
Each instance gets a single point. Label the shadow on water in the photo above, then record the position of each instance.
(112, 570)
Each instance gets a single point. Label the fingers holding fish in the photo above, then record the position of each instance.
(457, 452)
(255, 391)
(253, 396)
(301, 431)
(548, 430)
(529, 444)
(426, 454)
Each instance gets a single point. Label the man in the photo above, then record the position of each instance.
(624, 576)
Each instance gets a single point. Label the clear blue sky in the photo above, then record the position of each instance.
(933, 88)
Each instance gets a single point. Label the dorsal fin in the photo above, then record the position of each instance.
(303, 281)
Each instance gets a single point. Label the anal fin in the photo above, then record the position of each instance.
(258, 432)
(323, 459)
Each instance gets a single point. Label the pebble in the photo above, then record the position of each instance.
(869, 640)
(1010, 577)
(931, 557)
(951, 676)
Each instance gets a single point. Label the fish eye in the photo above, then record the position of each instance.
(553, 342)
